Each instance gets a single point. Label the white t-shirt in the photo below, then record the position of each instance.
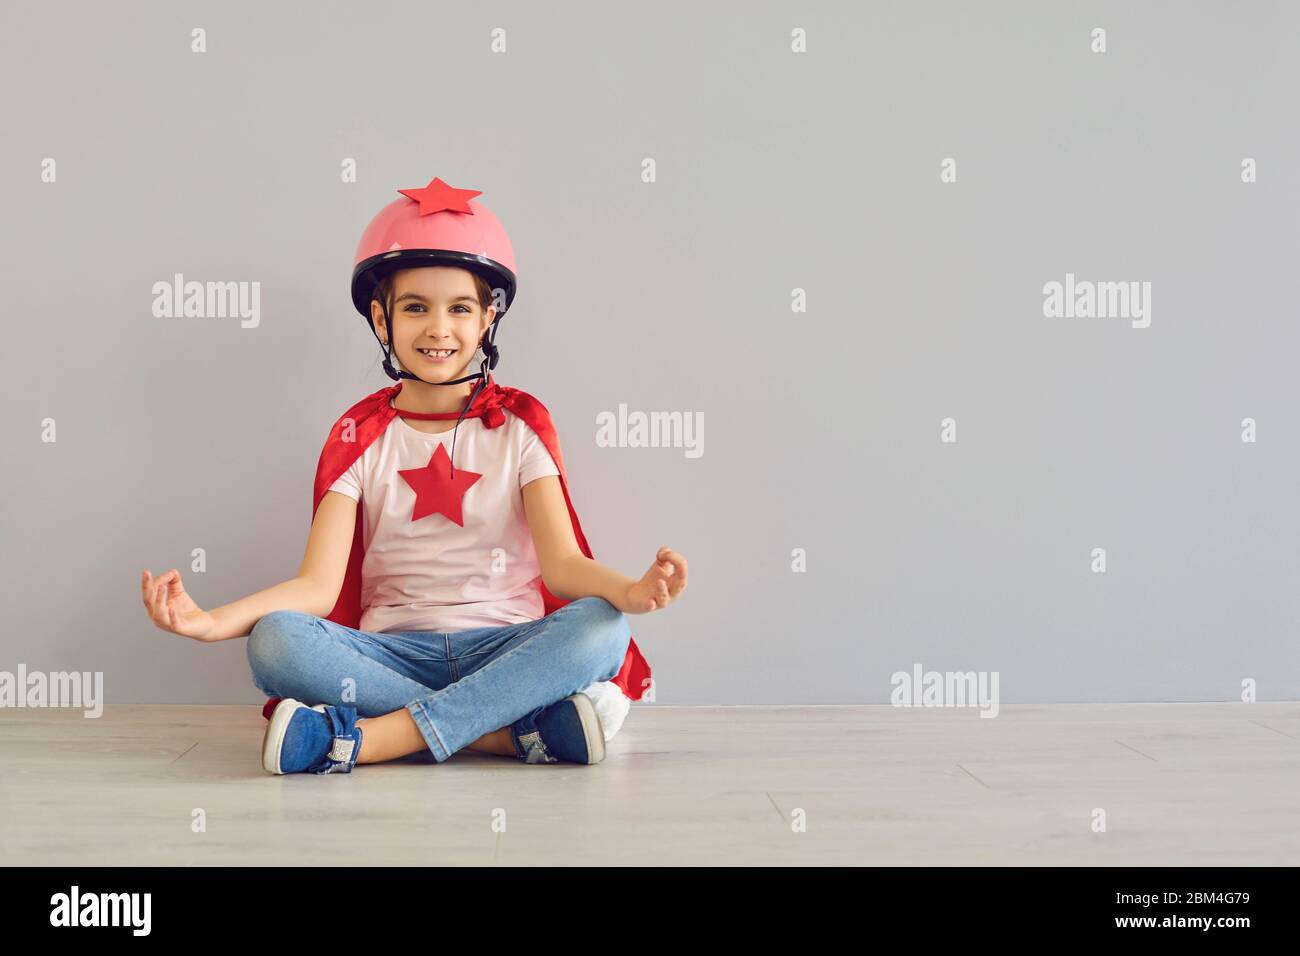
(424, 572)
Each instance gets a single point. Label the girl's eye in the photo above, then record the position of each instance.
(416, 305)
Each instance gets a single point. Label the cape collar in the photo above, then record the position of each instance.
(487, 405)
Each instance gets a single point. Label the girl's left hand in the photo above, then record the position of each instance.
(660, 585)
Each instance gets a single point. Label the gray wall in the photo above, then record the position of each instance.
(776, 171)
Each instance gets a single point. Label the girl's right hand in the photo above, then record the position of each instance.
(171, 609)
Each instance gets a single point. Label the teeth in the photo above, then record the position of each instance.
(441, 353)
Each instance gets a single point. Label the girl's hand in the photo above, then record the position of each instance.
(171, 609)
(659, 586)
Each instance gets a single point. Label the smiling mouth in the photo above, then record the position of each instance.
(437, 355)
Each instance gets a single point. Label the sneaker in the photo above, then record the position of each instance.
(302, 739)
(567, 730)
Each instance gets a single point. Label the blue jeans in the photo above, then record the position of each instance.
(457, 686)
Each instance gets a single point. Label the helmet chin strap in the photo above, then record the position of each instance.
(490, 356)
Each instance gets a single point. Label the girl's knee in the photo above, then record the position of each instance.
(605, 634)
(283, 620)
(601, 612)
(274, 640)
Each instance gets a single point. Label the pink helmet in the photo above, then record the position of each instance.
(431, 226)
(436, 225)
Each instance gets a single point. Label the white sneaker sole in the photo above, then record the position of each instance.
(274, 738)
(592, 732)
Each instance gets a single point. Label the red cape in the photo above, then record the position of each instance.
(367, 420)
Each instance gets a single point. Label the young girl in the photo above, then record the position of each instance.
(467, 610)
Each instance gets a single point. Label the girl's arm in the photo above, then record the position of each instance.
(569, 574)
(237, 618)
(314, 591)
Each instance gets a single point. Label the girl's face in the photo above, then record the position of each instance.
(434, 309)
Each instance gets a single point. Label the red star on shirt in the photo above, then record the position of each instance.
(436, 491)
(438, 196)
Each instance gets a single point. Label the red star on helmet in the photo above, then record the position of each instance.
(438, 196)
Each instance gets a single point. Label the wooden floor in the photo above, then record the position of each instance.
(1180, 784)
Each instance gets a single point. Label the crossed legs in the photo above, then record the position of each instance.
(413, 692)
